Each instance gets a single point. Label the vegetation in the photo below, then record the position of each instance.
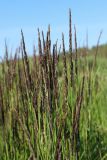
(53, 106)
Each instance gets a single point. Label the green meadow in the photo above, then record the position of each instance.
(53, 105)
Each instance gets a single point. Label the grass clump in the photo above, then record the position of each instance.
(53, 106)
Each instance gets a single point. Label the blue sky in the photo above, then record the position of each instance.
(87, 15)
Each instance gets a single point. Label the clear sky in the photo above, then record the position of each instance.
(87, 15)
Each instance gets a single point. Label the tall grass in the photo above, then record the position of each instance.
(53, 105)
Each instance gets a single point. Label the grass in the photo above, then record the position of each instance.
(53, 106)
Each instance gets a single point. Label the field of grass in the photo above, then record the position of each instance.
(53, 106)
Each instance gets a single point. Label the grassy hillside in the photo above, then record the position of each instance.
(54, 107)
